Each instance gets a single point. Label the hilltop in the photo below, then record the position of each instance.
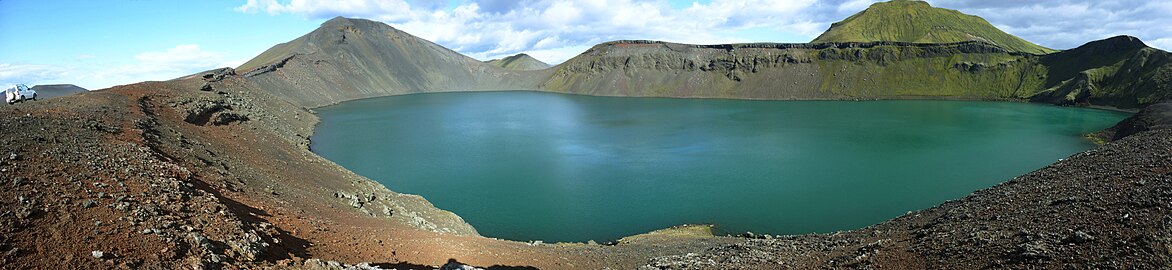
(919, 22)
(519, 62)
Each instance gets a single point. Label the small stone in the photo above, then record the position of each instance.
(98, 254)
(13, 156)
(1079, 237)
(147, 231)
(454, 265)
(89, 203)
(1033, 250)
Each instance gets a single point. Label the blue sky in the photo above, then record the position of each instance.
(101, 43)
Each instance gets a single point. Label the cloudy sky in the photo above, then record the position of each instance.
(101, 43)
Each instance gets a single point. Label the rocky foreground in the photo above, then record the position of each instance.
(211, 172)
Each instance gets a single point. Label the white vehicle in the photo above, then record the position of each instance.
(19, 93)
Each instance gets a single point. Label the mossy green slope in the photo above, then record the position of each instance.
(1122, 71)
(919, 22)
(971, 70)
(519, 62)
(1119, 72)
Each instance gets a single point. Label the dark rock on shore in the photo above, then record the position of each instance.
(1156, 116)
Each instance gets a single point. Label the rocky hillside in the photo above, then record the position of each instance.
(519, 62)
(348, 59)
(56, 90)
(919, 22)
(796, 71)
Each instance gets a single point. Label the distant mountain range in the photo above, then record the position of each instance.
(892, 50)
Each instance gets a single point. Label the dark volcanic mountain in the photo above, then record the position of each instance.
(519, 62)
(56, 90)
(348, 59)
(919, 22)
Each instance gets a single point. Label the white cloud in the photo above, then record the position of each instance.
(175, 62)
(1163, 43)
(29, 74)
(546, 29)
(1064, 24)
(168, 64)
(494, 28)
(183, 59)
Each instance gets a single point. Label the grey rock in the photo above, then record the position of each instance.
(1033, 250)
(89, 203)
(453, 265)
(98, 254)
(1079, 237)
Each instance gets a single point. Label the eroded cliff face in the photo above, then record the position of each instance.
(1115, 72)
(798, 71)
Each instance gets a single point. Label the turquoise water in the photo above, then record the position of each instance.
(553, 167)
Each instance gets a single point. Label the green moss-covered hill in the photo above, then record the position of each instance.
(519, 62)
(919, 22)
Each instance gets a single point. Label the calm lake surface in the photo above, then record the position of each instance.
(553, 167)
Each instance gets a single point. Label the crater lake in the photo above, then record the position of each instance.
(566, 168)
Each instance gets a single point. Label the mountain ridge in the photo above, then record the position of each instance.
(339, 62)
